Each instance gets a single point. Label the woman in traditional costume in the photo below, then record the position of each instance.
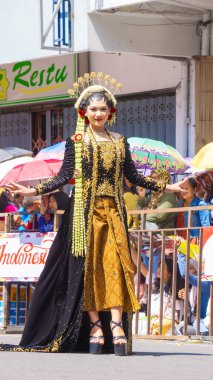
(84, 297)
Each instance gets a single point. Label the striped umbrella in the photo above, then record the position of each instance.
(152, 154)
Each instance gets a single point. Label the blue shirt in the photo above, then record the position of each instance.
(44, 226)
(199, 218)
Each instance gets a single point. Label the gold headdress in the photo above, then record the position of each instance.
(82, 90)
(90, 83)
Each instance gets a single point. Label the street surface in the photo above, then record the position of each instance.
(152, 360)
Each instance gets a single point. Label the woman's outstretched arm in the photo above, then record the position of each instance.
(61, 179)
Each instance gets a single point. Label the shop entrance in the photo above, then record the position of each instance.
(39, 133)
(47, 128)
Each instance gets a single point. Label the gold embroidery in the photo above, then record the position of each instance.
(86, 157)
(118, 179)
(107, 154)
(86, 188)
(105, 188)
(86, 151)
(94, 180)
(42, 186)
(56, 344)
(54, 347)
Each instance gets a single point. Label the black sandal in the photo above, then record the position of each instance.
(120, 349)
(95, 347)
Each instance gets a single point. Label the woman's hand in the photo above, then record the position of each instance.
(182, 294)
(176, 187)
(43, 207)
(15, 188)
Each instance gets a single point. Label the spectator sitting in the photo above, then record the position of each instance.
(200, 218)
(21, 220)
(30, 206)
(193, 281)
(208, 199)
(5, 206)
(58, 201)
(160, 200)
(167, 296)
(164, 220)
(45, 222)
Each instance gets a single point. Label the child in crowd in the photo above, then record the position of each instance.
(46, 220)
(200, 218)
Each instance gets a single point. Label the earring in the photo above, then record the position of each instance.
(81, 113)
(86, 120)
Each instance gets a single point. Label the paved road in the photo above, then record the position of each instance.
(152, 360)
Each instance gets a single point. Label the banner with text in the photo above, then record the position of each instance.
(23, 255)
(36, 80)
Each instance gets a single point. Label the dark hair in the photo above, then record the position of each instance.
(168, 287)
(192, 182)
(4, 201)
(96, 96)
(61, 199)
(209, 194)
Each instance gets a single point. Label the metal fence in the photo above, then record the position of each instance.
(16, 295)
(163, 234)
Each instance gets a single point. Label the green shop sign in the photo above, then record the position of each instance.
(31, 81)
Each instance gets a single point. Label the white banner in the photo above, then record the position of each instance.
(23, 255)
(208, 253)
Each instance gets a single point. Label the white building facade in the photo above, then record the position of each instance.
(149, 46)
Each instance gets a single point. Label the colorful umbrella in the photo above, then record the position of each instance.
(191, 169)
(204, 158)
(55, 152)
(8, 165)
(9, 153)
(32, 171)
(153, 154)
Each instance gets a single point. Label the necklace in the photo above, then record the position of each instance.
(101, 135)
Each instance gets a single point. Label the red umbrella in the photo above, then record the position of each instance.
(31, 171)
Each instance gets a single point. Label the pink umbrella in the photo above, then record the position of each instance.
(31, 171)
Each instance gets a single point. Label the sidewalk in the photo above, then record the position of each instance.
(164, 360)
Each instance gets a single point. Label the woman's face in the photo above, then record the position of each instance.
(165, 273)
(190, 191)
(52, 203)
(141, 191)
(97, 113)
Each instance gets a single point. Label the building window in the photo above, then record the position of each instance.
(56, 126)
(39, 134)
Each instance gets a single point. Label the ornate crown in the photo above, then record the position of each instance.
(92, 82)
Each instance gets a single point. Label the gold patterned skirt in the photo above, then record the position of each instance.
(109, 272)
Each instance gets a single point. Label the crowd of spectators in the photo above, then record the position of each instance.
(194, 195)
(31, 213)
